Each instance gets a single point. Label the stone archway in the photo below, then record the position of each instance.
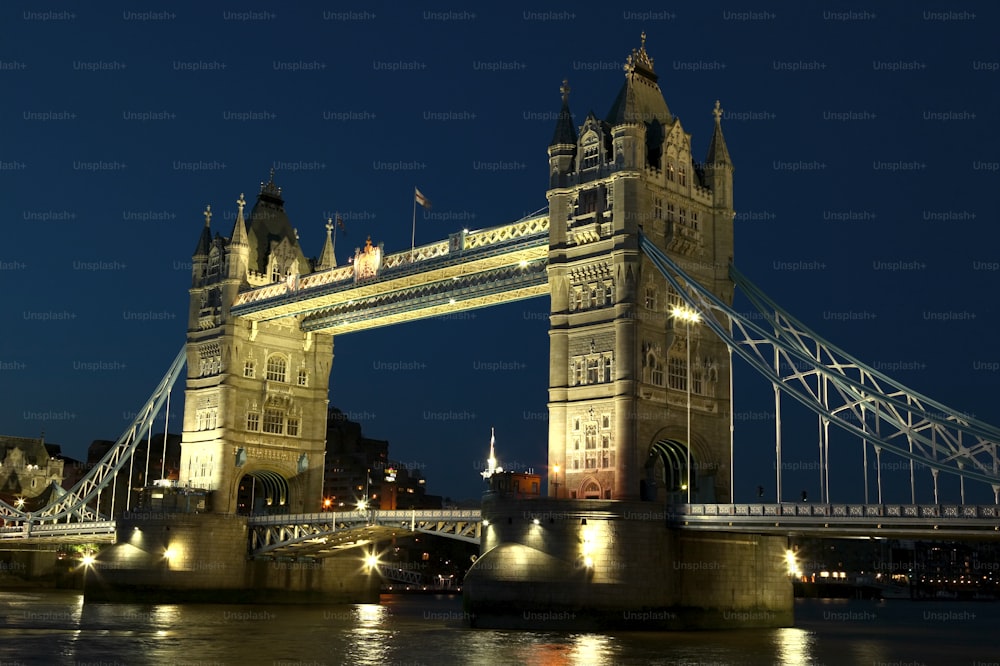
(262, 492)
(590, 489)
(666, 472)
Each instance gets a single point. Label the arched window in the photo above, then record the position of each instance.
(276, 368)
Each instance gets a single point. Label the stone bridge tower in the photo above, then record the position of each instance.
(619, 376)
(256, 396)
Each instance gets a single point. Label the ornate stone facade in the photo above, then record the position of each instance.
(256, 397)
(619, 372)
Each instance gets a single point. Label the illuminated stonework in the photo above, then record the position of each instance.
(256, 397)
(619, 370)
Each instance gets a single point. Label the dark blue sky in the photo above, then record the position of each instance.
(865, 143)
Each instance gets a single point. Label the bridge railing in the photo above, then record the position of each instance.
(376, 515)
(915, 511)
(56, 530)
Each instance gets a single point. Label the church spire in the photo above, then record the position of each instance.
(239, 236)
(326, 257)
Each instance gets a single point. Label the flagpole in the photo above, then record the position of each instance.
(413, 235)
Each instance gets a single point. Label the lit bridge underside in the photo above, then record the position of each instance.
(896, 521)
(315, 535)
(467, 271)
(44, 537)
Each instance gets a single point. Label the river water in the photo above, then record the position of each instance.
(55, 627)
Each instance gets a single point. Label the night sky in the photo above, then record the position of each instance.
(865, 142)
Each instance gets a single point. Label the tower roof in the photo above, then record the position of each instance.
(239, 236)
(718, 154)
(640, 98)
(205, 240)
(269, 225)
(565, 133)
(326, 257)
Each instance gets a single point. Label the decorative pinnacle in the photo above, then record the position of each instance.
(329, 225)
(717, 111)
(241, 202)
(564, 89)
(642, 38)
(208, 215)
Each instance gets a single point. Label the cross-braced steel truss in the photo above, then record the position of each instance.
(78, 504)
(322, 534)
(841, 389)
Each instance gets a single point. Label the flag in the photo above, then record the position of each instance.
(421, 199)
(340, 224)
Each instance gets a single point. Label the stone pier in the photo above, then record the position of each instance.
(578, 564)
(172, 558)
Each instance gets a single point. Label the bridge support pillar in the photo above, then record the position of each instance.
(608, 564)
(173, 558)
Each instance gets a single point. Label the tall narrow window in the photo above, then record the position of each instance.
(302, 377)
(276, 368)
(274, 421)
(253, 421)
(249, 369)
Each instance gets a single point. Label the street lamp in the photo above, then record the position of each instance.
(555, 479)
(688, 316)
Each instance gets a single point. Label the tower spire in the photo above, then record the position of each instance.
(239, 236)
(205, 240)
(565, 134)
(491, 463)
(327, 258)
(718, 154)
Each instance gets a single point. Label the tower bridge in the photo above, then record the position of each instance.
(635, 255)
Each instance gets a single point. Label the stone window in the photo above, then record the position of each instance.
(609, 293)
(274, 421)
(293, 426)
(650, 299)
(677, 367)
(276, 368)
(657, 208)
(253, 421)
(694, 220)
(592, 371)
(606, 421)
(303, 377)
(591, 437)
(249, 369)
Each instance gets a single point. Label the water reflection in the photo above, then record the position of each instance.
(793, 646)
(369, 642)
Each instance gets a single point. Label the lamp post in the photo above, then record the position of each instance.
(688, 316)
(555, 479)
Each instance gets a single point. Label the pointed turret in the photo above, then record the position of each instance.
(273, 244)
(205, 240)
(326, 257)
(718, 165)
(491, 463)
(562, 148)
(239, 237)
(640, 98)
(565, 134)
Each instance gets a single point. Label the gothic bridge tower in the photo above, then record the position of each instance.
(256, 396)
(619, 377)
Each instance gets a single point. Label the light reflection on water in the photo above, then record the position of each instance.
(55, 628)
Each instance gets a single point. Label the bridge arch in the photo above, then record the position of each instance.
(665, 476)
(262, 491)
